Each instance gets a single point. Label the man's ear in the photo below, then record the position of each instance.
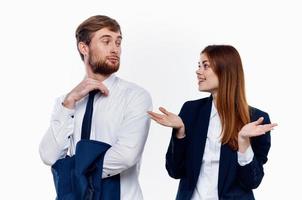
(83, 48)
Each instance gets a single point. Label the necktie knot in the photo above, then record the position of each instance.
(93, 93)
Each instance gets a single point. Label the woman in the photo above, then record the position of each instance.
(219, 144)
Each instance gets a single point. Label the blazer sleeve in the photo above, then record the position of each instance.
(250, 175)
(175, 156)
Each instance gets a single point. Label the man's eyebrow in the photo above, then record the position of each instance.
(104, 36)
(109, 36)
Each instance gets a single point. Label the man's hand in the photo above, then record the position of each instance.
(82, 89)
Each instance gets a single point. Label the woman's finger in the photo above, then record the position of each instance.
(163, 110)
(259, 121)
(156, 115)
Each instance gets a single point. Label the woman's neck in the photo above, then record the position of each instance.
(214, 95)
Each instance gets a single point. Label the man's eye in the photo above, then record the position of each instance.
(106, 41)
(118, 43)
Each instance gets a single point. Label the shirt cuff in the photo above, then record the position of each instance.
(105, 175)
(63, 113)
(62, 123)
(246, 157)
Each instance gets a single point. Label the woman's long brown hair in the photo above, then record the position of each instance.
(231, 99)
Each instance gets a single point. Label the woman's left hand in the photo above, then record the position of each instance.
(255, 128)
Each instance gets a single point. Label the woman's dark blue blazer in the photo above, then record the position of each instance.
(184, 156)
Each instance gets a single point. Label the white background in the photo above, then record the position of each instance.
(161, 46)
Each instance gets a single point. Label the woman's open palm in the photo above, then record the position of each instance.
(256, 128)
(167, 118)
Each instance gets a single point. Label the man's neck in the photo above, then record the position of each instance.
(99, 77)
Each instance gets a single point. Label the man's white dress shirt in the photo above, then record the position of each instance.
(119, 119)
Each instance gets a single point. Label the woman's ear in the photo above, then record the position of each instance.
(83, 48)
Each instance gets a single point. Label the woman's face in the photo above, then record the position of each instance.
(207, 79)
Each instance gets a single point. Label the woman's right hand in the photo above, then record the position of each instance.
(170, 120)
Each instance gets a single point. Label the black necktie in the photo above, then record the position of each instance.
(86, 124)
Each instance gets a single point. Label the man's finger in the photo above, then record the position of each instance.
(104, 91)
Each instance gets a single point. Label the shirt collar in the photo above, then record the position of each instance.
(109, 82)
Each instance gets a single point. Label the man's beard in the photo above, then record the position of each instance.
(100, 66)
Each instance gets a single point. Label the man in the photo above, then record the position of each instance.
(119, 114)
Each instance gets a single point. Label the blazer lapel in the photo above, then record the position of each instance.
(227, 156)
(199, 137)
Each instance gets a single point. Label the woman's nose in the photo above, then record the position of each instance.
(199, 71)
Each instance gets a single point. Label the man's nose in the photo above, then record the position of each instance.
(114, 48)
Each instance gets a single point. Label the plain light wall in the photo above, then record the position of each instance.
(161, 45)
